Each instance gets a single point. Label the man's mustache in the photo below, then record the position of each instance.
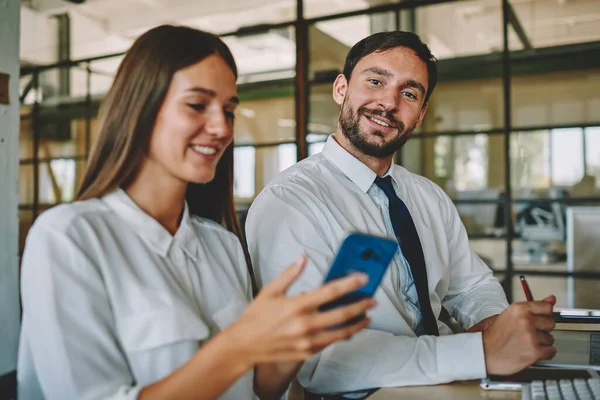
(383, 114)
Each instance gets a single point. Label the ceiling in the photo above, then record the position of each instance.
(454, 29)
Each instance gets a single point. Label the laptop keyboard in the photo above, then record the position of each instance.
(565, 389)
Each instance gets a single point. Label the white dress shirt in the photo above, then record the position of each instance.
(312, 206)
(113, 302)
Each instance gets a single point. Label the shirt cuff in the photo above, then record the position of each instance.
(126, 393)
(486, 313)
(461, 356)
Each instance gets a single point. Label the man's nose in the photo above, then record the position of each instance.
(388, 100)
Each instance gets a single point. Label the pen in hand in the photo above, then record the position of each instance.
(526, 289)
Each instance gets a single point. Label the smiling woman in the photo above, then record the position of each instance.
(147, 297)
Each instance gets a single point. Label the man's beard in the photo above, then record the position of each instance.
(349, 123)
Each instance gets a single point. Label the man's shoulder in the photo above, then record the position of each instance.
(303, 174)
(300, 187)
(417, 183)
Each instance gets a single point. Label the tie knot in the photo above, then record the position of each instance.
(385, 183)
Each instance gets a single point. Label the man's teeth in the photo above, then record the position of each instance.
(379, 122)
(205, 150)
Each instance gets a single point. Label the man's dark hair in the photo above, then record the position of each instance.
(388, 40)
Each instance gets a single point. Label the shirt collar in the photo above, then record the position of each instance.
(150, 230)
(353, 168)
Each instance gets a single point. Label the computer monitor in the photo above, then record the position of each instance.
(583, 250)
(540, 225)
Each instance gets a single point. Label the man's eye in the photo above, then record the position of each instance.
(230, 115)
(410, 95)
(374, 82)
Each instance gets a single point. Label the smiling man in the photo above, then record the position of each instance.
(353, 185)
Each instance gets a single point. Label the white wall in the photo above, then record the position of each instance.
(9, 169)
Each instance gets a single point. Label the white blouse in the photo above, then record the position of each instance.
(113, 302)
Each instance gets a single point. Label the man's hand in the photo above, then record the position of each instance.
(519, 337)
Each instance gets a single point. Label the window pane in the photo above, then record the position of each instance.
(482, 220)
(330, 41)
(48, 87)
(317, 8)
(26, 184)
(465, 167)
(316, 142)
(265, 56)
(540, 230)
(492, 251)
(103, 73)
(255, 167)
(471, 162)
(470, 170)
(78, 83)
(287, 156)
(26, 139)
(591, 183)
(529, 162)
(270, 161)
(26, 85)
(265, 117)
(567, 156)
(584, 235)
(244, 172)
(569, 292)
(25, 222)
(462, 28)
(60, 138)
(553, 23)
(469, 105)
(323, 111)
(563, 98)
(59, 180)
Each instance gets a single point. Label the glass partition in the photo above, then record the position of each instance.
(550, 147)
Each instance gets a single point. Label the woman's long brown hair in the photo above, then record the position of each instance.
(129, 112)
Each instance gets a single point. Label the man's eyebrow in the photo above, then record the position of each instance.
(212, 93)
(388, 74)
(416, 85)
(378, 71)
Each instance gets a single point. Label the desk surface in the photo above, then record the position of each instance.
(467, 390)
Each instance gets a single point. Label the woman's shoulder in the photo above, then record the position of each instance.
(207, 227)
(62, 218)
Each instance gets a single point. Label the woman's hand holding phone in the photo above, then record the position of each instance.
(277, 328)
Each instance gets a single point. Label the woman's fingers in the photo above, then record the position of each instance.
(306, 346)
(281, 284)
(327, 337)
(333, 290)
(326, 319)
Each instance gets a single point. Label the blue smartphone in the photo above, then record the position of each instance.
(364, 253)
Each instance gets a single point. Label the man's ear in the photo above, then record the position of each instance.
(422, 114)
(340, 86)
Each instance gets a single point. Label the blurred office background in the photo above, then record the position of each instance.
(512, 133)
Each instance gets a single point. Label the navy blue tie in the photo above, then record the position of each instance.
(407, 235)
